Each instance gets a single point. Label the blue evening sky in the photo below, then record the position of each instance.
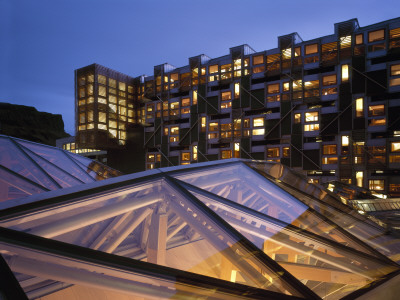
(42, 42)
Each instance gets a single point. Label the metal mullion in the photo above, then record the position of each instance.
(35, 163)
(292, 284)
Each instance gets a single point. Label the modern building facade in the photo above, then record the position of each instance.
(327, 107)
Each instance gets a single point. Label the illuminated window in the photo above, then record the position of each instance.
(174, 77)
(311, 127)
(329, 149)
(259, 59)
(360, 107)
(112, 83)
(226, 154)
(394, 81)
(258, 131)
(213, 126)
(82, 80)
(226, 71)
(376, 110)
(226, 96)
(394, 158)
(102, 79)
(376, 35)
(329, 80)
(345, 72)
(213, 69)
(237, 64)
(185, 104)
(345, 140)
(151, 158)
(273, 152)
(311, 49)
(82, 118)
(237, 150)
(89, 89)
(203, 124)
(287, 53)
(394, 70)
(394, 188)
(226, 130)
(185, 156)
(359, 39)
(102, 117)
(194, 97)
(329, 160)
(345, 42)
(258, 69)
(258, 122)
(174, 109)
(395, 146)
(311, 116)
(360, 178)
(286, 86)
(377, 122)
(273, 88)
(174, 130)
(297, 118)
(246, 123)
(297, 85)
(237, 90)
(285, 151)
(194, 152)
(376, 184)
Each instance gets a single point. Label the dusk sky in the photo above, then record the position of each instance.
(42, 42)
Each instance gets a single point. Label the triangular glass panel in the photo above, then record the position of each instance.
(63, 179)
(347, 218)
(49, 269)
(59, 158)
(13, 186)
(328, 268)
(11, 157)
(239, 183)
(153, 221)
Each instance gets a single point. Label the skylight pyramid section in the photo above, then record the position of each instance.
(154, 220)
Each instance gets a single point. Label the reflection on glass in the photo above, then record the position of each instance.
(325, 267)
(139, 222)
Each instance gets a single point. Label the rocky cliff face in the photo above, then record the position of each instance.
(27, 123)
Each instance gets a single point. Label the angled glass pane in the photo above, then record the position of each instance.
(14, 159)
(328, 268)
(151, 221)
(344, 216)
(44, 268)
(238, 183)
(59, 158)
(94, 168)
(13, 186)
(59, 175)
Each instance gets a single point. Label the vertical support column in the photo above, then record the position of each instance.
(157, 240)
